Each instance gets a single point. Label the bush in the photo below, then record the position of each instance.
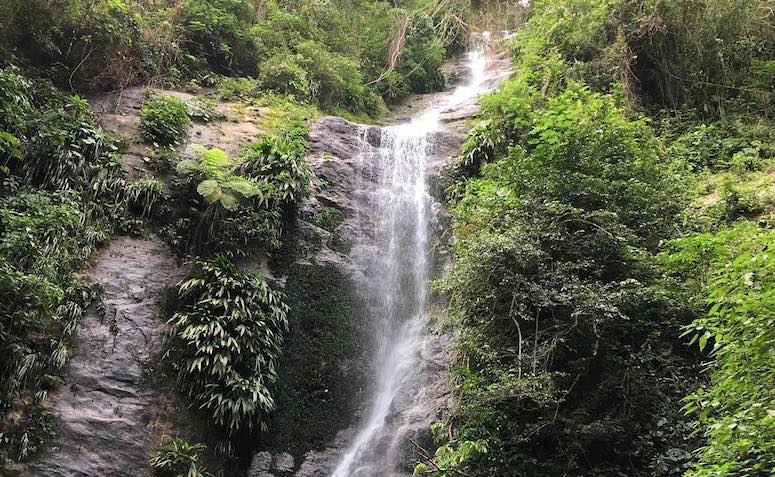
(96, 45)
(284, 73)
(555, 300)
(227, 195)
(227, 340)
(218, 182)
(220, 32)
(164, 120)
(15, 107)
(735, 411)
(282, 163)
(178, 458)
(230, 89)
(337, 80)
(50, 140)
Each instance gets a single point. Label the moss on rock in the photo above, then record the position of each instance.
(320, 373)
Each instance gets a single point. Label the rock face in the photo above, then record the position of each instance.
(119, 113)
(331, 223)
(106, 418)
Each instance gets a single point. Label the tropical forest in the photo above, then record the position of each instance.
(387, 238)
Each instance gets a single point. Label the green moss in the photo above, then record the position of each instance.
(285, 116)
(338, 244)
(319, 372)
(328, 218)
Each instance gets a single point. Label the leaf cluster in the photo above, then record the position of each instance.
(228, 338)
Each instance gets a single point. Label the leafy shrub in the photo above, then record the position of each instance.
(228, 337)
(282, 163)
(553, 292)
(284, 73)
(238, 88)
(336, 80)
(51, 140)
(217, 180)
(38, 317)
(46, 233)
(89, 45)
(219, 31)
(164, 120)
(162, 159)
(178, 458)
(747, 195)
(14, 109)
(60, 202)
(735, 410)
(238, 211)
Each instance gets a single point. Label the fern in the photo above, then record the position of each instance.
(219, 183)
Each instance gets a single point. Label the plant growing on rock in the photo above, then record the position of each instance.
(178, 458)
(228, 337)
(204, 110)
(280, 162)
(143, 195)
(222, 189)
(164, 120)
(218, 181)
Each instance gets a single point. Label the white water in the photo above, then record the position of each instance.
(398, 215)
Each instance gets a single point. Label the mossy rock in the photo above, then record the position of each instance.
(320, 370)
(328, 218)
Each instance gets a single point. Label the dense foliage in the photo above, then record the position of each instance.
(340, 53)
(242, 202)
(228, 337)
(61, 196)
(164, 120)
(736, 279)
(64, 190)
(573, 296)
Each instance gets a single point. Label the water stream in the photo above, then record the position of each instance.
(394, 256)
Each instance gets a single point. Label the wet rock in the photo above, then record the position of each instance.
(284, 462)
(105, 417)
(261, 465)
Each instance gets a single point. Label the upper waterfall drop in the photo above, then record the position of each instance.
(393, 255)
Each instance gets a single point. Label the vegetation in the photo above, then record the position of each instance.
(228, 336)
(61, 197)
(164, 120)
(243, 201)
(64, 190)
(281, 163)
(606, 246)
(612, 284)
(339, 54)
(178, 458)
(736, 409)
(324, 331)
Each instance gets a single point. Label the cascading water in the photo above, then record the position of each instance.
(394, 258)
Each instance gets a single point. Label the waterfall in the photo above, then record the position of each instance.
(396, 217)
